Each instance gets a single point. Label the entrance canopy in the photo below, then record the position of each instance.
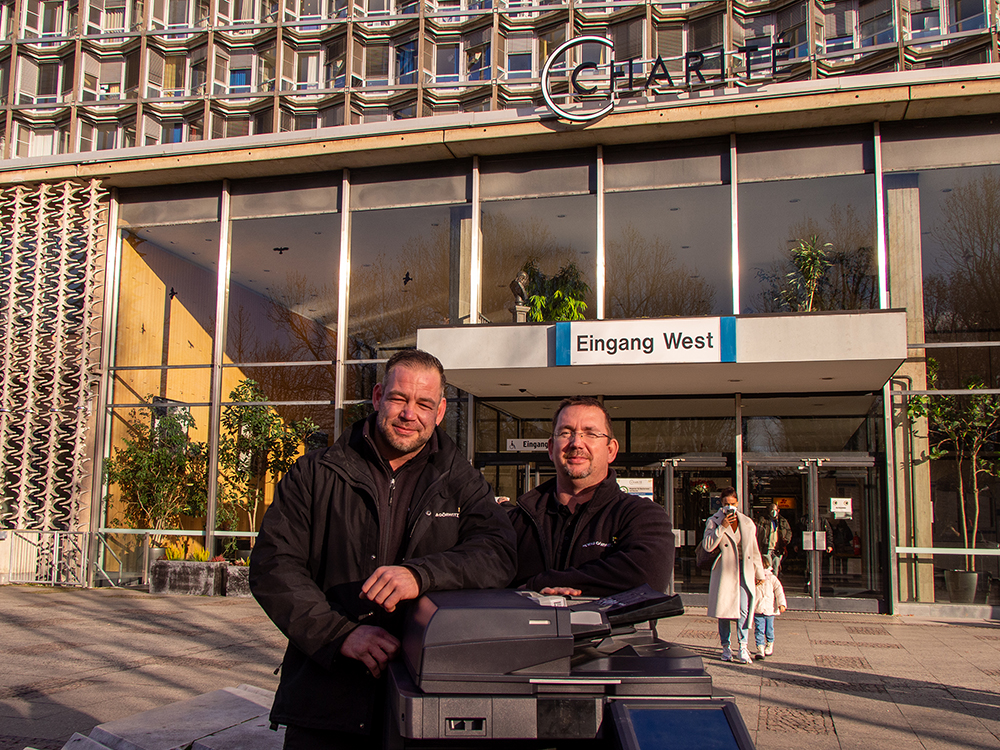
(784, 353)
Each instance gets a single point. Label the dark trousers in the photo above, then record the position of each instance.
(303, 738)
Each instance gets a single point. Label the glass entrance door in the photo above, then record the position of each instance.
(833, 560)
(692, 483)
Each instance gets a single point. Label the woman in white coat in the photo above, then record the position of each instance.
(735, 572)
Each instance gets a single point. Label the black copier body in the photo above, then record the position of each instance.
(498, 667)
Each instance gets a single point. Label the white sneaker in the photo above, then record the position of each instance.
(727, 653)
(769, 648)
(745, 655)
(760, 652)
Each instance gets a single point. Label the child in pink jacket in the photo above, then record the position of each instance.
(770, 602)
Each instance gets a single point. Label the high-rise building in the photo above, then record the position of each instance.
(774, 223)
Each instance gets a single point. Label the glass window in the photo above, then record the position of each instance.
(668, 427)
(163, 350)
(876, 22)
(668, 238)
(283, 289)
(239, 81)
(166, 295)
(336, 62)
(406, 62)
(446, 63)
(968, 15)
(808, 245)
(519, 55)
(790, 27)
(959, 246)
(157, 463)
(106, 137)
(554, 239)
(810, 424)
(477, 55)
(552, 236)
(963, 432)
(668, 253)
(377, 66)
(839, 23)
(173, 75)
(925, 18)
(409, 268)
(628, 39)
(172, 132)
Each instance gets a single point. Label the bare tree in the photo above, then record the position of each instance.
(969, 234)
(645, 279)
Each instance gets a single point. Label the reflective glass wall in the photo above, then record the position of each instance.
(282, 352)
(942, 194)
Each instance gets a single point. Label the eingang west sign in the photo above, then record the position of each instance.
(634, 77)
(646, 341)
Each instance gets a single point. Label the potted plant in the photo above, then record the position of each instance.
(256, 447)
(962, 427)
(157, 474)
(555, 298)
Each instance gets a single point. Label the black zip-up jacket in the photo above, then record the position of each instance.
(318, 543)
(620, 541)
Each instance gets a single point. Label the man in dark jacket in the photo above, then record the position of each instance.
(579, 533)
(773, 535)
(392, 510)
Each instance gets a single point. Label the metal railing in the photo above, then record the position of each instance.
(56, 558)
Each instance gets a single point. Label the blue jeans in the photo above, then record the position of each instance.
(742, 625)
(763, 625)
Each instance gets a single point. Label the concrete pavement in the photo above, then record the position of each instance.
(74, 659)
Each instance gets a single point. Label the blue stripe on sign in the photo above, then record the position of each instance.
(562, 343)
(727, 332)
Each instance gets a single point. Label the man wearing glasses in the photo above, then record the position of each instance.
(579, 534)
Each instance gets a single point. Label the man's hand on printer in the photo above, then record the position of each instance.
(372, 646)
(559, 591)
(390, 585)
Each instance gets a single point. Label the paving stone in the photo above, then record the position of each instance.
(251, 735)
(177, 725)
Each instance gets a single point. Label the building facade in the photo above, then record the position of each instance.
(210, 273)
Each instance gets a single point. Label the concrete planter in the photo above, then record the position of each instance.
(187, 577)
(237, 580)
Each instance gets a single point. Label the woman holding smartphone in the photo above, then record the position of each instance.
(735, 573)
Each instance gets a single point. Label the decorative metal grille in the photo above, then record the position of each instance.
(51, 250)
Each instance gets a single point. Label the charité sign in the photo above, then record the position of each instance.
(632, 77)
(647, 341)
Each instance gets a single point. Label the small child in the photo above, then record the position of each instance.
(770, 602)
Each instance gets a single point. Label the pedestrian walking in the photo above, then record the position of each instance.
(770, 603)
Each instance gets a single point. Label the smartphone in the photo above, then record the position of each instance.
(729, 509)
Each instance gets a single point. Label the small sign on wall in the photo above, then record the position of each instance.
(527, 445)
(641, 486)
(841, 507)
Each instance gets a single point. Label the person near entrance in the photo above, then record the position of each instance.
(735, 573)
(773, 535)
(579, 533)
(390, 511)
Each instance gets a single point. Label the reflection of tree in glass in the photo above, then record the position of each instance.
(306, 315)
(507, 247)
(964, 293)
(845, 278)
(645, 280)
(397, 292)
